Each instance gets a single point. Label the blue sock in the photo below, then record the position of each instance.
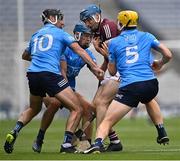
(161, 130)
(68, 137)
(18, 127)
(41, 134)
(99, 142)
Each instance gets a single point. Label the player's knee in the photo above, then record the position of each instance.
(87, 112)
(99, 102)
(52, 110)
(96, 102)
(78, 110)
(55, 104)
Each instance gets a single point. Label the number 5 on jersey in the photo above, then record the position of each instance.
(131, 54)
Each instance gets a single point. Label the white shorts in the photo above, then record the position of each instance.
(115, 77)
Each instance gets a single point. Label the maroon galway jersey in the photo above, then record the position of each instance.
(107, 30)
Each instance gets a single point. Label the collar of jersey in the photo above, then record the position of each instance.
(49, 25)
(128, 31)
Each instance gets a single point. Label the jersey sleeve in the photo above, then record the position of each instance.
(111, 56)
(154, 42)
(68, 39)
(108, 30)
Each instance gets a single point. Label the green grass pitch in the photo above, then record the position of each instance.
(138, 138)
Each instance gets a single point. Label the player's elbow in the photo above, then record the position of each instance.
(26, 56)
(169, 56)
(165, 51)
(111, 72)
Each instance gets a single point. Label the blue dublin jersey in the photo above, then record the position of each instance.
(74, 64)
(46, 47)
(131, 51)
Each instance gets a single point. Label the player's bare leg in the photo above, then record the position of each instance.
(48, 115)
(115, 112)
(25, 117)
(154, 112)
(88, 110)
(52, 105)
(101, 101)
(83, 135)
(70, 100)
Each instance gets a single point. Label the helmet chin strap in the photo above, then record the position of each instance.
(48, 20)
(97, 19)
(52, 21)
(120, 28)
(77, 36)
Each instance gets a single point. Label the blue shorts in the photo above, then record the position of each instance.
(72, 83)
(134, 93)
(41, 83)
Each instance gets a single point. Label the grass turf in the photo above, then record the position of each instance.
(138, 138)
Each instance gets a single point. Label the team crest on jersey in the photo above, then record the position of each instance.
(131, 38)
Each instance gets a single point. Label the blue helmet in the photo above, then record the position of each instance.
(80, 27)
(89, 11)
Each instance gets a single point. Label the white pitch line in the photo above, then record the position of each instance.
(156, 150)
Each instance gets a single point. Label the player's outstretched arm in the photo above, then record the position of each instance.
(166, 57)
(77, 49)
